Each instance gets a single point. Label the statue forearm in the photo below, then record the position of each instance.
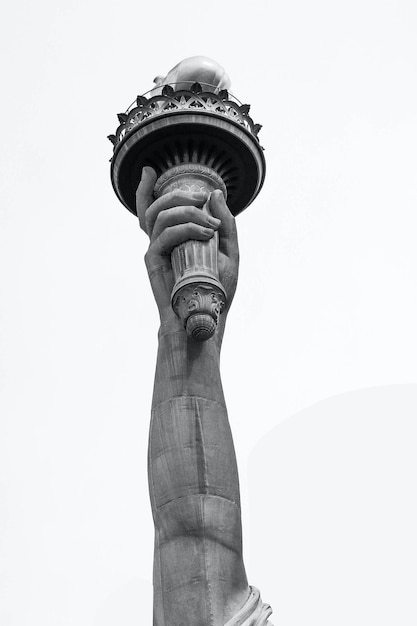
(194, 485)
(186, 367)
(189, 418)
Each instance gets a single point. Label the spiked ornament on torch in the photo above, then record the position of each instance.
(198, 138)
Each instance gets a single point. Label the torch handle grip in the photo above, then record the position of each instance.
(198, 297)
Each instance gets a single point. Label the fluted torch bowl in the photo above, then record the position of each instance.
(189, 126)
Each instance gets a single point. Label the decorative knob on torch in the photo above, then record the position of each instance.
(198, 138)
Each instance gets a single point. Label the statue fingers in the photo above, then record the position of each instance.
(169, 201)
(144, 194)
(228, 242)
(175, 235)
(182, 215)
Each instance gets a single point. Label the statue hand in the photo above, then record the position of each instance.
(175, 218)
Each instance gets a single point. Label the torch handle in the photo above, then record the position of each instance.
(198, 296)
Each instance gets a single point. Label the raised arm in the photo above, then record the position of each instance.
(199, 576)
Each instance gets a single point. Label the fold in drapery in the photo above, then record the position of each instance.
(253, 613)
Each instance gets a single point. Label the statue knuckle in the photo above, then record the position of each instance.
(160, 220)
(147, 257)
(178, 212)
(163, 239)
(149, 223)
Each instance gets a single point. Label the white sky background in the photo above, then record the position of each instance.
(326, 305)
